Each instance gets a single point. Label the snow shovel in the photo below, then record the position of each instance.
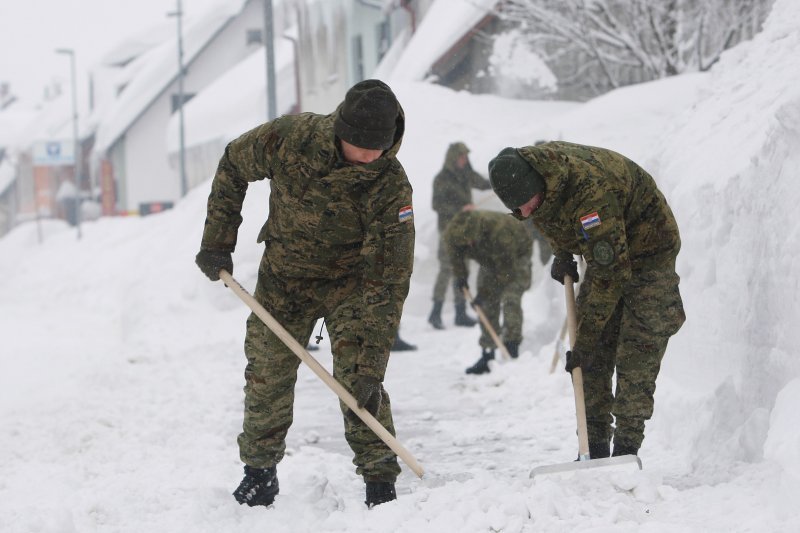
(322, 373)
(584, 461)
(488, 325)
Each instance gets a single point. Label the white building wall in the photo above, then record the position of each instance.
(148, 175)
(225, 50)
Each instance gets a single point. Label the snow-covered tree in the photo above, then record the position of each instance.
(596, 45)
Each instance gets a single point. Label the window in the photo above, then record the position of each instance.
(176, 100)
(254, 37)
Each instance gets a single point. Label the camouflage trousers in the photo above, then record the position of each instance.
(502, 292)
(633, 343)
(444, 276)
(271, 371)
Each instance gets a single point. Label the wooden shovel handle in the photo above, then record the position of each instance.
(577, 373)
(487, 325)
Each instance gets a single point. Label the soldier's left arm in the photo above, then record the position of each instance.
(388, 253)
(599, 222)
(476, 181)
(246, 159)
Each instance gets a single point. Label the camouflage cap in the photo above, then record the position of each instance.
(368, 116)
(513, 179)
(459, 148)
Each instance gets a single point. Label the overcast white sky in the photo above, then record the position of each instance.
(31, 30)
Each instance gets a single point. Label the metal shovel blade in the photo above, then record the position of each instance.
(583, 465)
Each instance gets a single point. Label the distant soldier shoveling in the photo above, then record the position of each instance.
(452, 194)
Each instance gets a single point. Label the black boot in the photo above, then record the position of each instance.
(462, 318)
(599, 450)
(259, 486)
(435, 318)
(482, 366)
(513, 349)
(379, 492)
(402, 346)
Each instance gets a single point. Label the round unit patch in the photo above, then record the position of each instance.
(603, 253)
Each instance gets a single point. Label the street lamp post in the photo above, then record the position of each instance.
(78, 164)
(178, 14)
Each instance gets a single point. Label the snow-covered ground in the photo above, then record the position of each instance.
(121, 365)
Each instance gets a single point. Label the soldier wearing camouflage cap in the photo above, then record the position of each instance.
(599, 204)
(502, 247)
(338, 245)
(452, 193)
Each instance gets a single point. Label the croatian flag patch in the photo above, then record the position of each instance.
(406, 213)
(591, 220)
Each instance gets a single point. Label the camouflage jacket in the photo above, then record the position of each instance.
(492, 239)
(328, 219)
(603, 206)
(452, 186)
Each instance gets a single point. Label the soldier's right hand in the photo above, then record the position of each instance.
(460, 283)
(563, 265)
(211, 262)
(575, 360)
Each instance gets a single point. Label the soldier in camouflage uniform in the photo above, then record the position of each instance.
(338, 245)
(502, 247)
(452, 193)
(599, 204)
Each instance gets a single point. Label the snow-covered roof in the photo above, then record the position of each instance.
(158, 68)
(135, 45)
(444, 24)
(13, 121)
(53, 120)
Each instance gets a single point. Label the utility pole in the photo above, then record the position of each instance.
(269, 48)
(178, 14)
(77, 152)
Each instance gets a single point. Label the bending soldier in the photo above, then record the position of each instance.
(599, 204)
(502, 247)
(338, 244)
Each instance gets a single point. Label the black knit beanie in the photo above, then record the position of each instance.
(513, 179)
(368, 116)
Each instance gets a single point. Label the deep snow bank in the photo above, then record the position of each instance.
(729, 166)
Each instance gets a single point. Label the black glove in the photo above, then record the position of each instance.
(575, 360)
(367, 391)
(563, 265)
(477, 301)
(211, 262)
(460, 283)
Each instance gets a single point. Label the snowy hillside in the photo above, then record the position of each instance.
(121, 365)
